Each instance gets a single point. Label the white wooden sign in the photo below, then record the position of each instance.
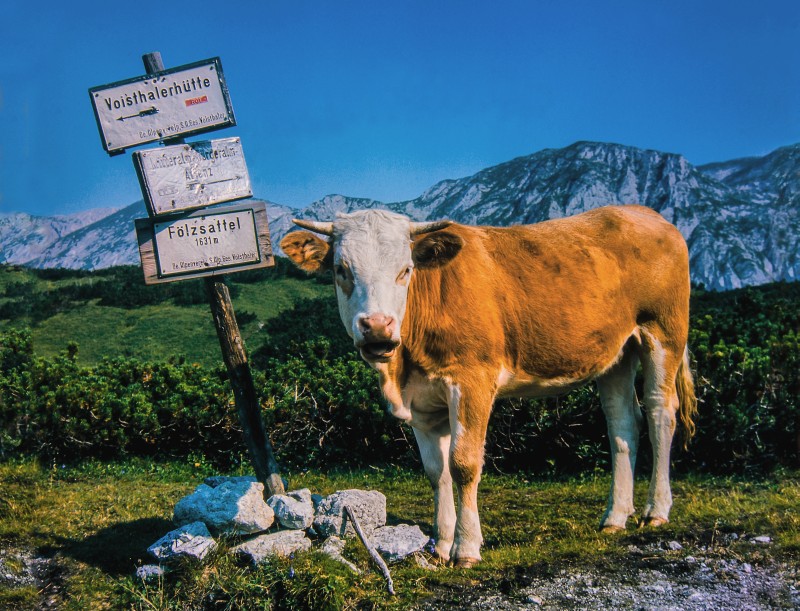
(186, 100)
(192, 175)
(204, 242)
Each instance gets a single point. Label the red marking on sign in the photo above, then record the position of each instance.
(194, 101)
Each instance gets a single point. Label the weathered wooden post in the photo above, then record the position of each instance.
(204, 242)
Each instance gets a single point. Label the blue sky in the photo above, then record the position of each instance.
(384, 99)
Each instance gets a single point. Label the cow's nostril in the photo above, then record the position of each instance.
(378, 325)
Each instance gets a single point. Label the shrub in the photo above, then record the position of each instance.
(323, 408)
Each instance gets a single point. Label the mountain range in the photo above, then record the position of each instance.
(741, 218)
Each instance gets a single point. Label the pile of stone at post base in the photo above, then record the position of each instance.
(234, 508)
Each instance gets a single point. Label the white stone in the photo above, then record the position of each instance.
(189, 541)
(150, 572)
(333, 547)
(293, 510)
(369, 507)
(233, 507)
(217, 480)
(283, 543)
(396, 542)
(303, 495)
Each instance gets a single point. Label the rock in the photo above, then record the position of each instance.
(303, 495)
(422, 562)
(396, 542)
(294, 510)
(282, 543)
(333, 547)
(150, 572)
(674, 546)
(763, 539)
(232, 507)
(534, 600)
(217, 480)
(369, 507)
(189, 541)
(316, 499)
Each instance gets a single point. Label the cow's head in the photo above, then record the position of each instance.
(373, 254)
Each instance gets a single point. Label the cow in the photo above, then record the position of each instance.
(454, 316)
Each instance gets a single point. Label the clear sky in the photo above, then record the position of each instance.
(382, 99)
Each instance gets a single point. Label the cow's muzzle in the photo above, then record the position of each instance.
(378, 337)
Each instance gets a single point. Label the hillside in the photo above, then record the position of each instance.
(111, 313)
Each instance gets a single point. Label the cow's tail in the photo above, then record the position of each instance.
(687, 401)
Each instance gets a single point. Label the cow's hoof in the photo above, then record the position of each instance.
(654, 522)
(610, 529)
(465, 563)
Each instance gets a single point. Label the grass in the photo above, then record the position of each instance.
(94, 521)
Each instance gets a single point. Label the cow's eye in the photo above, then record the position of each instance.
(404, 275)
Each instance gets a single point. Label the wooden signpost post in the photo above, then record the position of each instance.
(187, 235)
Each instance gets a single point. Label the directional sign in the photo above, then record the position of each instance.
(186, 100)
(204, 243)
(193, 175)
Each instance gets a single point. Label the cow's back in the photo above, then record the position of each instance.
(554, 301)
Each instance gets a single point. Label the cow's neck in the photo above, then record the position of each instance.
(421, 350)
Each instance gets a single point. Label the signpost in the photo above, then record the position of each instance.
(205, 242)
(192, 175)
(185, 235)
(187, 100)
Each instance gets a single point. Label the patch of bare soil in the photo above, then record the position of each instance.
(655, 577)
(21, 568)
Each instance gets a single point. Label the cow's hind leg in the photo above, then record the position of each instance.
(660, 362)
(623, 417)
(434, 448)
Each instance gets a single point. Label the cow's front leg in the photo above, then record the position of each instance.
(434, 449)
(470, 405)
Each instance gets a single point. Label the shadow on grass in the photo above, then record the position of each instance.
(118, 549)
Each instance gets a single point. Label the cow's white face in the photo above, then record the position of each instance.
(370, 254)
(372, 268)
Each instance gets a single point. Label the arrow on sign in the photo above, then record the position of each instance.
(142, 113)
(194, 183)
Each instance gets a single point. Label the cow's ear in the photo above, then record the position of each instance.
(307, 251)
(436, 249)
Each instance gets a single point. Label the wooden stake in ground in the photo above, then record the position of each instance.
(373, 553)
(235, 357)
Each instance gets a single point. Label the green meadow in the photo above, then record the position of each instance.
(114, 404)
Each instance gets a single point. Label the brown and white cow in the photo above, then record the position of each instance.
(453, 316)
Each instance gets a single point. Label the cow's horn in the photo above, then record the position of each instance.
(315, 226)
(418, 228)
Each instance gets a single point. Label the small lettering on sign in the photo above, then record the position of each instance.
(195, 101)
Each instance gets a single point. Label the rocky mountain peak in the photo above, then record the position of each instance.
(741, 218)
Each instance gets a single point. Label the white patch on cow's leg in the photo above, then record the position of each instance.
(661, 403)
(469, 416)
(434, 448)
(623, 417)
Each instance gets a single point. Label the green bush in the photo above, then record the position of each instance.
(323, 408)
